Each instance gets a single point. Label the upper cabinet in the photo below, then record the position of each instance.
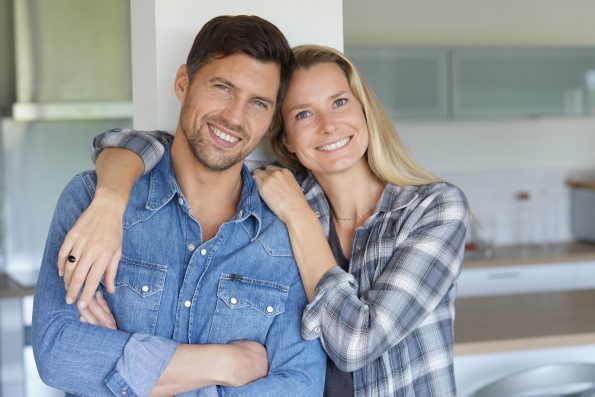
(481, 83)
(410, 83)
(522, 82)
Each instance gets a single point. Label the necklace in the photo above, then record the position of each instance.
(357, 218)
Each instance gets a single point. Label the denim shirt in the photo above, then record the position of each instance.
(172, 288)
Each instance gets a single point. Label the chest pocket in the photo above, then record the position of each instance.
(246, 308)
(139, 287)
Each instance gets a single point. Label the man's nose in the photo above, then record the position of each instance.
(234, 111)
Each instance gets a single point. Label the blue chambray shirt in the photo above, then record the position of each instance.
(171, 288)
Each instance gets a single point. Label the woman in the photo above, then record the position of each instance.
(380, 273)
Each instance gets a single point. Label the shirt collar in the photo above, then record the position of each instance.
(393, 198)
(163, 188)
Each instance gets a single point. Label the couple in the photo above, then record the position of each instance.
(207, 295)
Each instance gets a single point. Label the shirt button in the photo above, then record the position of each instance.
(233, 301)
(124, 390)
(203, 251)
(191, 247)
(180, 201)
(241, 213)
(317, 330)
(187, 303)
(270, 309)
(317, 214)
(145, 288)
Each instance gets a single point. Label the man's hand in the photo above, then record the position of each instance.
(249, 361)
(94, 247)
(97, 312)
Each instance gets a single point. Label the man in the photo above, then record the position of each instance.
(206, 272)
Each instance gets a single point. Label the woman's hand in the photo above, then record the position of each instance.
(98, 312)
(95, 244)
(281, 192)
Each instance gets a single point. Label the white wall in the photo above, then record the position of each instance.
(163, 32)
(507, 145)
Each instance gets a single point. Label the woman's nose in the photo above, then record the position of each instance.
(327, 125)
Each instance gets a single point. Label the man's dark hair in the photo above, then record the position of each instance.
(251, 35)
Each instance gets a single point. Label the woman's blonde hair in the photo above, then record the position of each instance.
(386, 155)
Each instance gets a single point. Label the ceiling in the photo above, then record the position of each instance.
(469, 22)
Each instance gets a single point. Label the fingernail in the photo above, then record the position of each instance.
(98, 294)
(69, 300)
(82, 304)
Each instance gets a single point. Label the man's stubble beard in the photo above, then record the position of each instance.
(213, 160)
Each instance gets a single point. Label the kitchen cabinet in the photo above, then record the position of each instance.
(410, 83)
(500, 335)
(529, 269)
(518, 279)
(521, 82)
(476, 83)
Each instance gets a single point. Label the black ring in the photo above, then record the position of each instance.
(71, 258)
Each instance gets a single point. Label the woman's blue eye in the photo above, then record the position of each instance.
(341, 102)
(302, 115)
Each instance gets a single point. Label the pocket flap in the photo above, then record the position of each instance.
(238, 291)
(142, 277)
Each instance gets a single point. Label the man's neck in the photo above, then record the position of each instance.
(213, 196)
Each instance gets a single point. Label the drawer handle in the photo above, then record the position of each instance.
(503, 275)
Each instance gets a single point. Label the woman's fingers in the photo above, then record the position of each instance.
(91, 281)
(93, 244)
(109, 278)
(281, 192)
(73, 260)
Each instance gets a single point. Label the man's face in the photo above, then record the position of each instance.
(227, 108)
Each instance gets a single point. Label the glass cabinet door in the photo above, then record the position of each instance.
(521, 82)
(410, 83)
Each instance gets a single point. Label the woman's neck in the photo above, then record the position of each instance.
(352, 194)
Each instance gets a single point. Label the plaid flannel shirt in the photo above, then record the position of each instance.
(390, 318)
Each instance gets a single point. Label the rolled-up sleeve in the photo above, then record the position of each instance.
(148, 145)
(81, 358)
(420, 268)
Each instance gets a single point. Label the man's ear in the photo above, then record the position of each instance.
(181, 83)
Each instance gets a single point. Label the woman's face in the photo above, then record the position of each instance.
(324, 123)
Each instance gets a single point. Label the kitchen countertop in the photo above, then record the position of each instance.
(514, 255)
(11, 289)
(526, 321)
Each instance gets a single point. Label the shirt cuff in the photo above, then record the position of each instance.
(137, 371)
(148, 147)
(332, 282)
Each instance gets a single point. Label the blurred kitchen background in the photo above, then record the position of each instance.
(497, 97)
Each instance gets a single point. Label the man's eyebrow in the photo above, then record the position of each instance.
(268, 101)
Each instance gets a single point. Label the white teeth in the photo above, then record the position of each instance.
(224, 136)
(335, 145)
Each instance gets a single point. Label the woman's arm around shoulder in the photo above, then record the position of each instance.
(92, 248)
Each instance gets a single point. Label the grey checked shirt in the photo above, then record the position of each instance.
(389, 319)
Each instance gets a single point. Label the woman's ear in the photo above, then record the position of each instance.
(181, 83)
